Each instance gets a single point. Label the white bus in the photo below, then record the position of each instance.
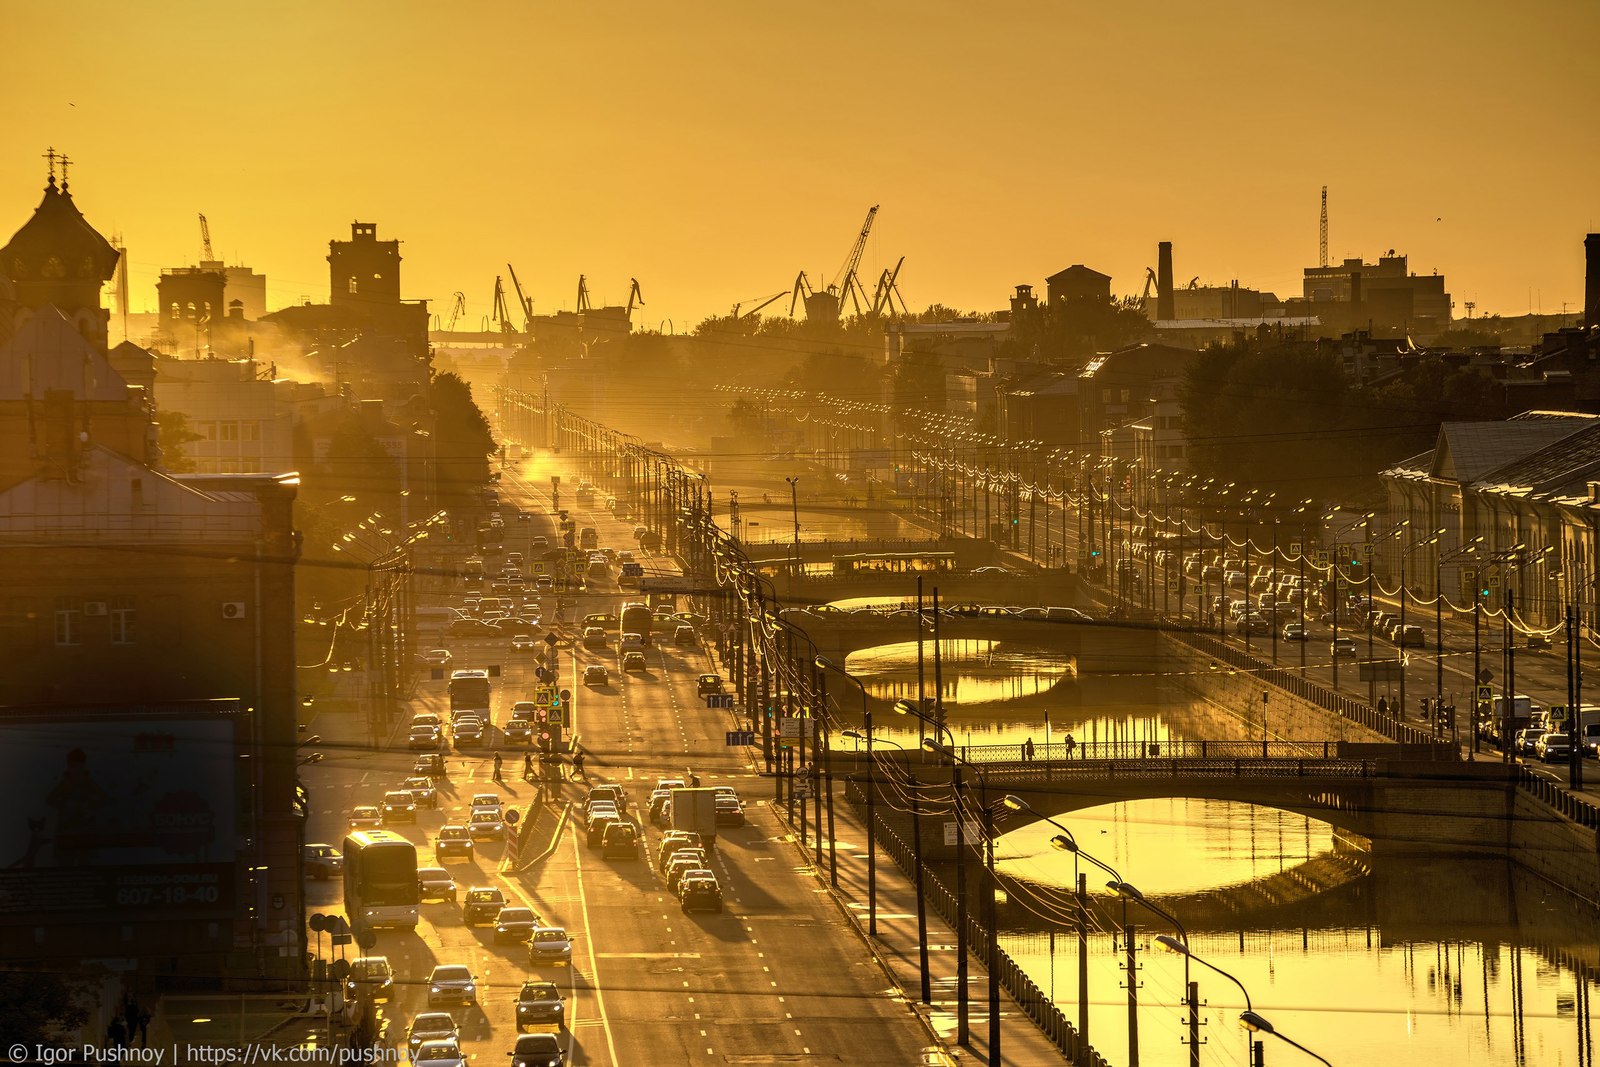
(470, 692)
(380, 880)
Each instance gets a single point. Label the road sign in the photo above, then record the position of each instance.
(544, 696)
(1380, 670)
(512, 816)
(1366, 549)
(537, 566)
(1485, 676)
(740, 737)
(795, 726)
(1294, 548)
(971, 832)
(1322, 559)
(555, 480)
(1485, 694)
(1557, 715)
(719, 700)
(566, 696)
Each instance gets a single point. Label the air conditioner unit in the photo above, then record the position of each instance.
(94, 609)
(233, 609)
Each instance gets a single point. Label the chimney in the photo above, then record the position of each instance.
(1591, 286)
(1165, 300)
(1355, 291)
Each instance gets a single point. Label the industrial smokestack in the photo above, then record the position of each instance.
(1165, 301)
(1591, 285)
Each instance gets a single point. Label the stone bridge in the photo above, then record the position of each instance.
(1042, 588)
(969, 552)
(1090, 646)
(1399, 805)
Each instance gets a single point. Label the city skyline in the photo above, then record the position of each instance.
(715, 154)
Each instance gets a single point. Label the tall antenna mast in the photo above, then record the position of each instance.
(1322, 244)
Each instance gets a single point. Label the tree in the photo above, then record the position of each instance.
(462, 442)
(38, 1007)
(172, 435)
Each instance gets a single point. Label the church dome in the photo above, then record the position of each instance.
(57, 247)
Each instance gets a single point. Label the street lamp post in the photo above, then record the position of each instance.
(1190, 989)
(826, 664)
(1251, 1019)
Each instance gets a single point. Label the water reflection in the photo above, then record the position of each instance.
(974, 673)
(1365, 958)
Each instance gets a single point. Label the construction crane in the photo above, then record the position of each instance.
(802, 293)
(1150, 282)
(635, 297)
(205, 242)
(458, 308)
(846, 283)
(1322, 234)
(763, 302)
(887, 292)
(583, 293)
(526, 302)
(501, 313)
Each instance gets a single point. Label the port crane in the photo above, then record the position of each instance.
(887, 292)
(525, 301)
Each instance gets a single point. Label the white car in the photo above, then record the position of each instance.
(437, 657)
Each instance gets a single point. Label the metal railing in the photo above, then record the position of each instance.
(1168, 749)
(1079, 770)
(1033, 1000)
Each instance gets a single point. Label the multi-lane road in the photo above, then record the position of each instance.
(778, 976)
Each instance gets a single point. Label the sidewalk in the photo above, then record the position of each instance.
(1022, 1043)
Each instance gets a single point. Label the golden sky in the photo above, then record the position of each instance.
(713, 149)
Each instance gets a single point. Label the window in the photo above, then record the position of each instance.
(229, 431)
(252, 431)
(206, 430)
(249, 466)
(122, 620)
(69, 627)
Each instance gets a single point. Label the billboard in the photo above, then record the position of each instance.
(132, 812)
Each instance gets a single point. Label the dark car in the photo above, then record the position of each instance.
(323, 862)
(539, 1005)
(483, 905)
(538, 1050)
(620, 842)
(422, 791)
(515, 924)
(468, 731)
(453, 841)
(708, 683)
(371, 977)
(729, 812)
(701, 894)
(612, 793)
(435, 883)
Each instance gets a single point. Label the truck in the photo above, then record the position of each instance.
(636, 620)
(588, 539)
(1497, 720)
(696, 810)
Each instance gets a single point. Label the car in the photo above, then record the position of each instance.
(537, 1050)
(683, 861)
(366, 817)
(729, 812)
(620, 842)
(1412, 636)
(540, 541)
(437, 657)
(1525, 740)
(423, 738)
(486, 825)
(631, 642)
(993, 571)
(482, 905)
(698, 893)
(614, 793)
(435, 883)
(322, 862)
(438, 1054)
(514, 923)
(486, 800)
(539, 1005)
(604, 620)
(472, 628)
(422, 792)
(689, 875)
(634, 662)
(1553, 746)
(596, 674)
(657, 803)
(430, 765)
(518, 731)
(595, 832)
(639, 533)
(453, 841)
(1254, 624)
(1295, 631)
(370, 977)
(684, 635)
(467, 732)
(625, 555)
(594, 637)
(399, 806)
(515, 626)
(545, 583)
(707, 684)
(1343, 648)
(594, 807)
(431, 1026)
(524, 516)
(525, 643)
(549, 946)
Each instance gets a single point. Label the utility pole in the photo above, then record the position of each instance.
(1133, 998)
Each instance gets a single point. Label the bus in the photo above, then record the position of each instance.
(469, 692)
(893, 563)
(472, 571)
(380, 880)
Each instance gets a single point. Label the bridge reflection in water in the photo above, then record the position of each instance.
(1365, 957)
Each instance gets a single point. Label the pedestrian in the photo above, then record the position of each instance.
(1071, 745)
(577, 764)
(1383, 706)
(144, 1027)
(1029, 750)
(527, 766)
(497, 766)
(116, 1033)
